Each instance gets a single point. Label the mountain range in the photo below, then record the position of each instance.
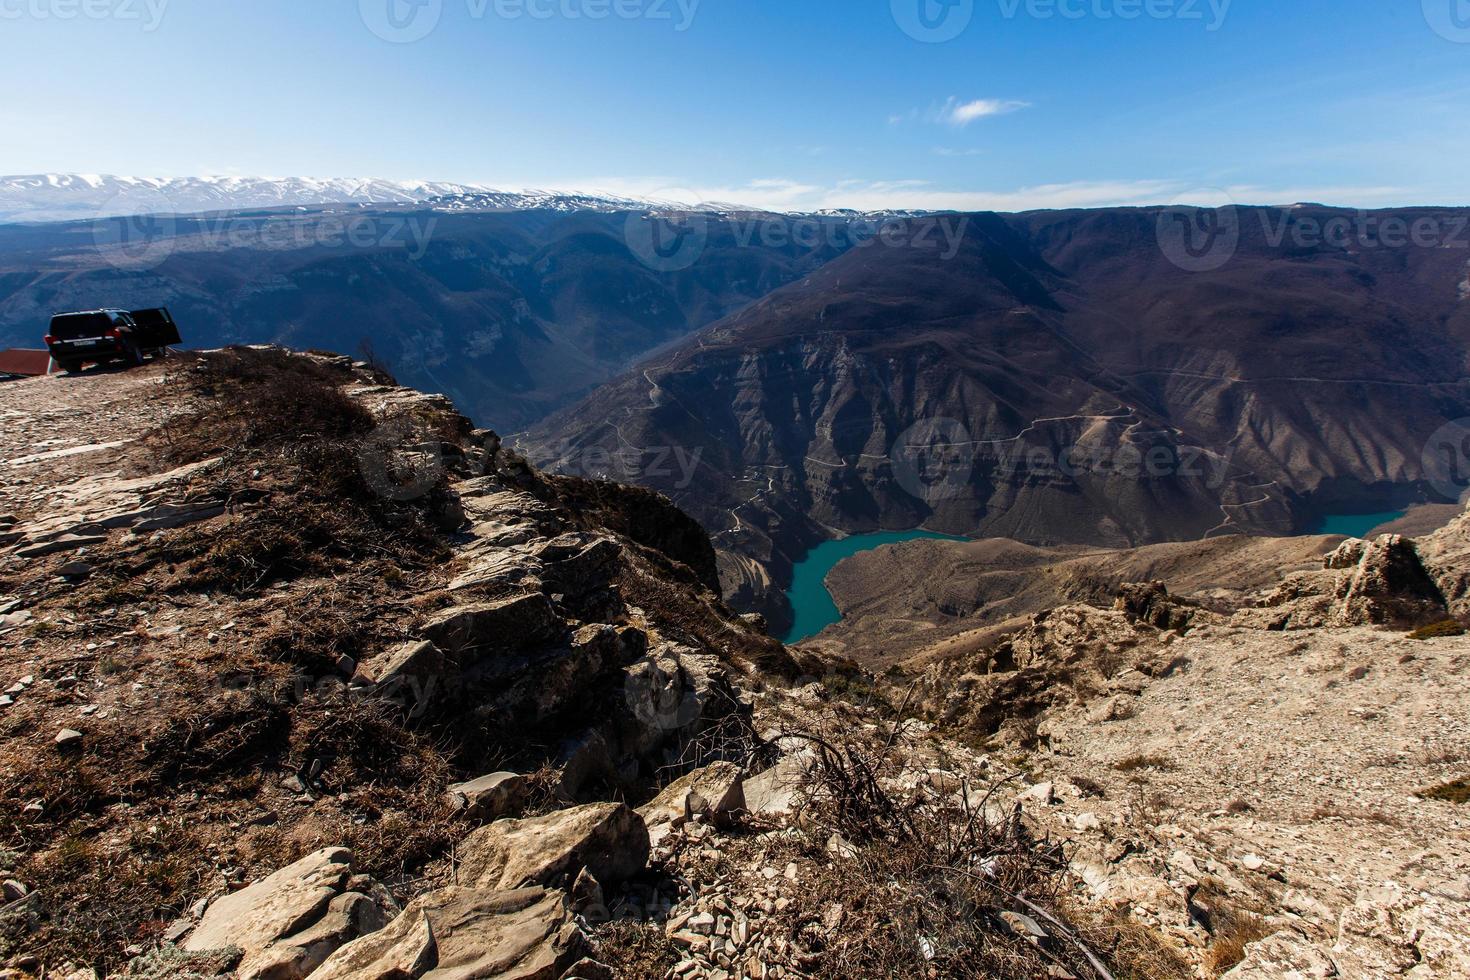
(1074, 377)
(514, 313)
(1107, 378)
(65, 197)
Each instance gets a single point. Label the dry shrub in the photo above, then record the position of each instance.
(1142, 761)
(1442, 628)
(935, 877)
(100, 896)
(212, 734)
(1456, 791)
(1228, 948)
(261, 398)
(314, 629)
(1135, 951)
(293, 444)
(1232, 921)
(635, 950)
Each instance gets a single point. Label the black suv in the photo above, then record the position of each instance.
(100, 336)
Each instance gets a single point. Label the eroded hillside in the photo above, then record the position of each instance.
(1054, 378)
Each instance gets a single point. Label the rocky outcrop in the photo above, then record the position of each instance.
(1362, 583)
(287, 925)
(1066, 656)
(715, 793)
(468, 934)
(82, 515)
(608, 840)
(1150, 603)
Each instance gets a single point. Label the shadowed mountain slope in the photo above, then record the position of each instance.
(1054, 377)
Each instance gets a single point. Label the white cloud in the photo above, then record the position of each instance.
(778, 194)
(961, 114)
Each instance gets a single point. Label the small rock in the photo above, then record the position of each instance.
(68, 738)
(1253, 862)
(490, 797)
(1041, 792)
(1087, 821)
(1024, 926)
(75, 569)
(14, 890)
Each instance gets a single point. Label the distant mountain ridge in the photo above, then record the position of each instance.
(67, 197)
(40, 198)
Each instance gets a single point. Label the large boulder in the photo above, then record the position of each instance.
(716, 791)
(1389, 585)
(515, 623)
(1284, 954)
(348, 916)
(288, 923)
(776, 792)
(673, 692)
(1151, 603)
(467, 934)
(607, 839)
(413, 674)
(1362, 583)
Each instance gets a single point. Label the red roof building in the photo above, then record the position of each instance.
(25, 363)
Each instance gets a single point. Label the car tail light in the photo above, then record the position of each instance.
(114, 333)
(50, 340)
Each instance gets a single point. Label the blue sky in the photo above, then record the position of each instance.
(778, 103)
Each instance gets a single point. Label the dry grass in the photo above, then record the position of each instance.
(635, 950)
(187, 785)
(1228, 948)
(1135, 951)
(1456, 791)
(292, 441)
(935, 877)
(1355, 814)
(1143, 761)
(1442, 628)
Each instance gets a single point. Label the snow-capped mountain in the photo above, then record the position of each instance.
(66, 197)
(74, 197)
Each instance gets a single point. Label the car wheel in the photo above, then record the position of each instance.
(70, 367)
(132, 356)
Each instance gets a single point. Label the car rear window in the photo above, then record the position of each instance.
(76, 325)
